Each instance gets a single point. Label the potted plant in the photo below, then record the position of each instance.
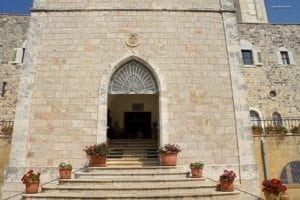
(31, 181)
(296, 130)
(196, 169)
(276, 130)
(257, 130)
(168, 154)
(7, 130)
(226, 181)
(273, 188)
(97, 154)
(65, 170)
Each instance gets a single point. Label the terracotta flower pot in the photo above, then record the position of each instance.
(271, 196)
(196, 172)
(65, 173)
(284, 196)
(168, 159)
(97, 161)
(226, 186)
(32, 188)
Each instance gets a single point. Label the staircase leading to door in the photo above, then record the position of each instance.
(132, 152)
(147, 183)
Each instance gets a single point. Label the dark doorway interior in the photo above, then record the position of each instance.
(137, 125)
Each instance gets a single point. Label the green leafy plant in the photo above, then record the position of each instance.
(296, 129)
(97, 149)
(257, 130)
(31, 177)
(7, 130)
(276, 130)
(170, 148)
(198, 164)
(64, 165)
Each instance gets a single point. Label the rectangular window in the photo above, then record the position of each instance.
(247, 57)
(285, 57)
(18, 56)
(3, 89)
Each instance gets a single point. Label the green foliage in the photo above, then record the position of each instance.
(7, 130)
(170, 148)
(276, 130)
(31, 177)
(257, 129)
(64, 165)
(296, 129)
(97, 150)
(198, 164)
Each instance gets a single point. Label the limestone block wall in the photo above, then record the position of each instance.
(285, 79)
(279, 152)
(72, 60)
(4, 152)
(74, 52)
(12, 35)
(251, 11)
(124, 4)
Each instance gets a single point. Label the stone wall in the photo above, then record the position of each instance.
(251, 11)
(12, 35)
(73, 54)
(4, 152)
(285, 79)
(279, 152)
(125, 4)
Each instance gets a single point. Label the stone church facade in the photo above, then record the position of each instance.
(180, 62)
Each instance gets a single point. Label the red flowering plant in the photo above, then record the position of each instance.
(228, 176)
(31, 177)
(170, 148)
(274, 186)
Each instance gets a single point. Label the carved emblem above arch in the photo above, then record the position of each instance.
(133, 78)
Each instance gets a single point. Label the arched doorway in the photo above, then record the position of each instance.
(133, 103)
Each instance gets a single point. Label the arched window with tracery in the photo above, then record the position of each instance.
(276, 118)
(255, 119)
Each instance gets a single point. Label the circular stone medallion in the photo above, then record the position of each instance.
(133, 40)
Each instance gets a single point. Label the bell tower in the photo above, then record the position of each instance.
(251, 11)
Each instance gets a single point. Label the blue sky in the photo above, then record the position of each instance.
(283, 11)
(279, 11)
(15, 6)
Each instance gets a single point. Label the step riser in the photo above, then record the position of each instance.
(135, 184)
(131, 191)
(105, 170)
(128, 176)
(194, 197)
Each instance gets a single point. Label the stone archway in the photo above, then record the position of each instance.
(133, 103)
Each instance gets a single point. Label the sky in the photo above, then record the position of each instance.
(279, 11)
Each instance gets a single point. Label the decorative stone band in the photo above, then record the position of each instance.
(133, 9)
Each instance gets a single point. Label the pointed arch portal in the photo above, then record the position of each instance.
(133, 78)
(133, 103)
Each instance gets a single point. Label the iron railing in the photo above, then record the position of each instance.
(276, 126)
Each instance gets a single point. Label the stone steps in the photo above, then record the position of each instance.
(133, 152)
(135, 182)
(83, 175)
(151, 182)
(155, 196)
(127, 169)
(129, 189)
